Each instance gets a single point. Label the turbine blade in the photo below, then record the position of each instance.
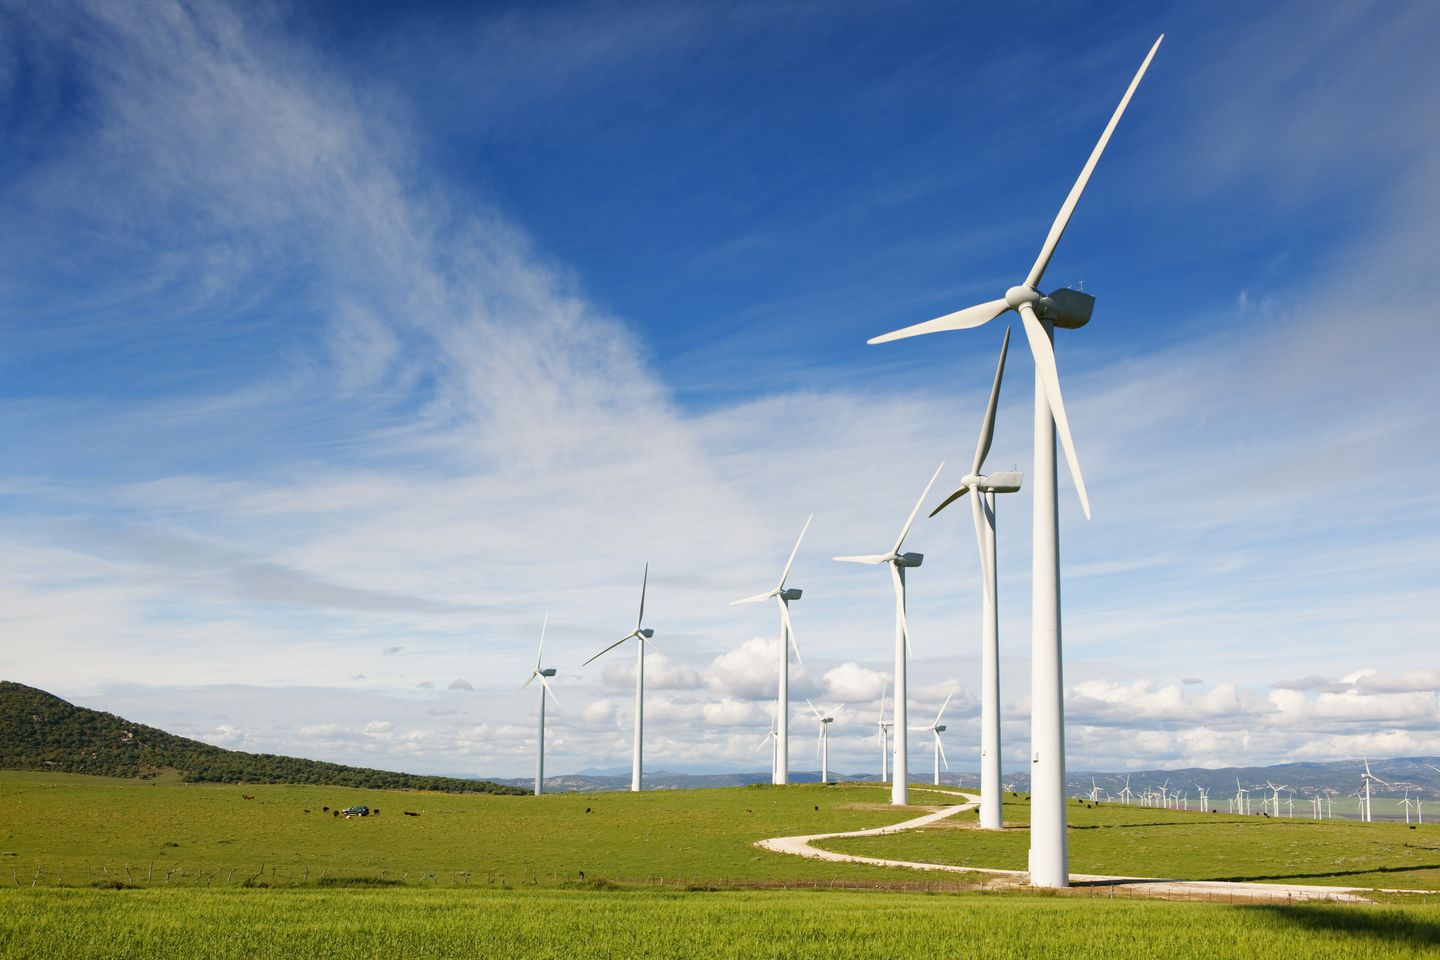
(949, 500)
(975, 316)
(1062, 219)
(541, 652)
(644, 582)
(941, 747)
(981, 516)
(900, 605)
(755, 599)
(791, 562)
(987, 425)
(882, 709)
(904, 531)
(530, 681)
(944, 705)
(607, 649)
(867, 558)
(1044, 354)
(818, 714)
(789, 628)
(554, 699)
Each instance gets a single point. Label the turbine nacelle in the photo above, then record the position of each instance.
(908, 559)
(547, 672)
(790, 593)
(647, 633)
(939, 728)
(1066, 308)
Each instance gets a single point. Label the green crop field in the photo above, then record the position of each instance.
(1111, 839)
(198, 870)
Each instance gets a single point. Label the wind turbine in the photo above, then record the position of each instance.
(772, 738)
(900, 788)
(1367, 776)
(782, 596)
(936, 728)
(823, 747)
(1204, 798)
(540, 673)
(1407, 803)
(642, 636)
(884, 727)
(1125, 794)
(982, 491)
(1275, 790)
(1040, 314)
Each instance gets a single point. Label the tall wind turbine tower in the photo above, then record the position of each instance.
(541, 673)
(982, 491)
(1040, 315)
(899, 562)
(782, 596)
(641, 636)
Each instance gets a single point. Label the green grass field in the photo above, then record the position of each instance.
(212, 874)
(359, 924)
(1138, 841)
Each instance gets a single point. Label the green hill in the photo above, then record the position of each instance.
(39, 731)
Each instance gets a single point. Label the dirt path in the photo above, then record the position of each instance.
(1132, 886)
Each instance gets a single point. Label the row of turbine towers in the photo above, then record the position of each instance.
(1040, 314)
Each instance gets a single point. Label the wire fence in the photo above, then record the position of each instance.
(126, 875)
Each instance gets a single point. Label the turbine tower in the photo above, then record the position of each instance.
(1367, 776)
(641, 636)
(1040, 315)
(900, 788)
(540, 673)
(826, 717)
(782, 596)
(982, 490)
(936, 728)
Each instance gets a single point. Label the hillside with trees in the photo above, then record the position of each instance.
(39, 731)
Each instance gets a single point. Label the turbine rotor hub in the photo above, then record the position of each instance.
(1019, 294)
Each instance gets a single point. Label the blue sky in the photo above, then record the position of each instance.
(344, 341)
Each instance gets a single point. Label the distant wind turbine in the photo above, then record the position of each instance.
(884, 727)
(642, 636)
(900, 789)
(782, 596)
(541, 673)
(936, 728)
(1367, 776)
(826, 717)
(982, 490)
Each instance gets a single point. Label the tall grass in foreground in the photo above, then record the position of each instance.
(579, 925)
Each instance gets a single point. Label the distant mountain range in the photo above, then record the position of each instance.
(39, 731)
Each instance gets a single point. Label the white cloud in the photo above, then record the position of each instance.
(852, 683)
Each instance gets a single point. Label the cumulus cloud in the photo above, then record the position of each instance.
(459, 684)
(853, 683)
(748, 671)
(661, 673)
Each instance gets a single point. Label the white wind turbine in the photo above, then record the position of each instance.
(772, 739)
(782, 596)
(1407, 803)
(1275, 791)
(982, 490)
(540, 673)
(826, 717)
(1204, 798)
(936, 728)
(1125, 794)
(900, 788)
(642, 636)
(1367, 776)
(883, 726)
(1040, 314)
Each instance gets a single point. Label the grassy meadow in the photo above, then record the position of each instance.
(1113, 839)
(104, 868)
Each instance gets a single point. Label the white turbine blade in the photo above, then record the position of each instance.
(987, 425)
(944, 705)
(949, 500)
(978, 513)
(900, 606)
(867, 558)
(941, 747)
(975, 316)
(527, 683)
(818, 714)
(541, 652)
(645, 582)
(544, 683)
(791, 562)
(820, 740)
(789, 628)
(1050, 382)
(755, 599)
(882, 710)
(905, 530)
(608, 649)
(1062, 219)
(645, 639)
